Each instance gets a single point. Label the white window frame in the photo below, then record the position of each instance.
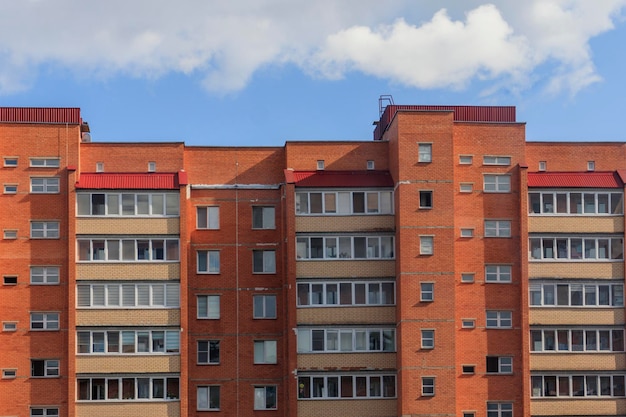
(205, 400)
(267, 217)
(331, 293)
(345, 202)
(576, 340)
(468, 369)
(467, 277)
(51, 368)
(9, 373)
(266, 309)
(355, 340)
(498, 228)
(466, 159)
(265, 352)
(10, 188)
(578, 294)
(208, 217)
(44, 229)
(425, 152)
(499, 409)
(164, 382)
(591, 165)
(9, 280)
(504, 364)
(428, 204)
(467, 232)
(49, 321)
(105, 250)
(127, 204)
(496, 183)
(9, 326)
(466, 187)
(44, 411)
(374, 386)
(468, 323)
(9, 161)
(99, 166)
(427, 338)
(370, 165)
(45, 185)
(543, 166)
(45, 162)
(591, 384)
(566, 248)
(427, 292)
(356, 247)
(263, 261)
(152, 166)
(262, 397)
(496, 160)
(213, 308)
(427, 244)
(606, 202)
(212, 345)
(211, 261)
(499, 319)
(131, 295)
(428, 386)
(170, 342)
(498, 273)
(320, 165)
(44, 275)
(10, 234)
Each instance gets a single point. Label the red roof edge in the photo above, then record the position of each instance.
(57, 115)
(586, 179)
(128, 181)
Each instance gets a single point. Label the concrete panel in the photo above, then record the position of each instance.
(576, 407)
(345, 269)
(346, 361)
(128, 408)
(346, 315)
(576, 224)
(127, 226)
(576, 316)
(353, 224)
(99, 364)
(131, 317)
(128, 271)
(609, 270)
(577, 361)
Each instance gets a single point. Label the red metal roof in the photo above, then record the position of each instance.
(40, 115)
(128, 181)
(575, 179)
(339, 178)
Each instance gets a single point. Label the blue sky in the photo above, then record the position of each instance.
(262, 72)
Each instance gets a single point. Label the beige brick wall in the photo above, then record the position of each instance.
(577, 361)
(576, 269)
(87, 364)
(127, 409)
(348, 408)
(576, 316)
(576, 224)
(131, 317)
(354, 224)
(346, 315)
(126, 271)
(127, 226)
(344, 269)
(583, 407)
(330, 361)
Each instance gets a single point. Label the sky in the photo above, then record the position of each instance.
(263, 72)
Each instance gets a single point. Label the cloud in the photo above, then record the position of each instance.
(225, 43)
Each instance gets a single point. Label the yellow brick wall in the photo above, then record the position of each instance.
(577, 361)
(131, 317)
(346, 315)
(127, 226)
(353, 224)
(583, 407)
(348, 408)
(576, 269)
(87, 364)
(128, 409)
(575, 224)
(127, 271)
(323, 361)
(576, 316)
(343, 269)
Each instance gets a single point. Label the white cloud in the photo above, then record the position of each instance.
(227, 42)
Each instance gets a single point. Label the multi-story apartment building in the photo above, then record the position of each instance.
(447, 267)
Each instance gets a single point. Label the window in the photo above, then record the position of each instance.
(44, 230)
(143, 295)
(497, 228)
(128, 204)
(264, 351)
(264, 261)
(10, 188)
(360, 340)
(344, 202)
(467, 232)
(496, 160)
(466, 187)
(465, 159)
(428, 339)
(208, 351)
(151, 166)
(565, 248)
(344, 386)
(44, 411)
(44, 367)
(208, 218)
(427, 291)
(496, 183)
(499, 409)
(141, 342)
(9, 280)
(9, 326)
(9, 373)
(128, 388)
(467, 277)
(99, 166)
(265, 398)
(579, 385)
(320, 165)
(582, 294)
(425, 152)
(263, 218)
(10, 234)
(543, 165)
(345, 293)
(264, 306)
(468, 323)
(10, 162)
(370, 165)
(428, 386)
(209, 397)
(128, 250)
(575, 203)
(499, 319)
(577, 340)
(344, 247)
(44, 321)
(426, 199)
(468, 369)
(208, 261)
(208, 306)
(44, 162)
(47, 185)
(40, 275)
(426, 245)
(500, 364)
(498, 273)
(591, 165)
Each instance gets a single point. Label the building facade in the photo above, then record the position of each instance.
(447, 267)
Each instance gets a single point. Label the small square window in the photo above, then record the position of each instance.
(9, 326)
(263, 218)
(208, 217)
(370, 165)
(426, 199)
(425, 152)
(265, 398)
(151, 166)
(10, 234)
(320, 165)
(465, 159)
(10, 188)
(10, 162)
(468, 369)
(467, 277)
(264, 261)
(208, 307)
(10, 280)
(208, 352)
(466, 187)
(99, 166)
(265, 351)
(467, 232)
(209, 397)
(543, 165)
(264, 306)
(427, 291)
(591, 165)
(468, 323)
(426, 245)
(9, 373)
(208, 261)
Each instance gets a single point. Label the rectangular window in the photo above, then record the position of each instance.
(426, 245)
(576, 249)
(496, 160)
(151, 166)
(208, 218)
(42, 275)
(133, 341)
(44, 185)
(428, 339)
(468, 323)
(128, 250)
(498, 273)
(580, 385)
(345, 247)
(264, 261)
(577, 340)
(370, 165)
(129, 295)
(543, 165)
(345, 293)
(428, 386)
(44, 367)
(208, 261)
(208, 351)
(467, 232)
(9, 280)
(427, 291)
(497, 228)
(44, 162)
(466, 187)
(128, 388)
(10, 162)
(500, 364)
(10, 234)
(209, 397)
(9, 373)
(265, 398)
(426, 199)
(359, 340)
(44, 411)
(44, 230)
(10, 188)
(9, 326)
(44, 321)
(468, 369)
(358, 386)
(494, 183)
(344, 202)
(208, 306)
(425, 152)
(499, 319)
(467, 277)
(591, 165)
(499, 409)
(575, 203)
(465, 159)
(320, 165)
(264, 306)
(265, 351)
(128, 204)
(263, 218)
